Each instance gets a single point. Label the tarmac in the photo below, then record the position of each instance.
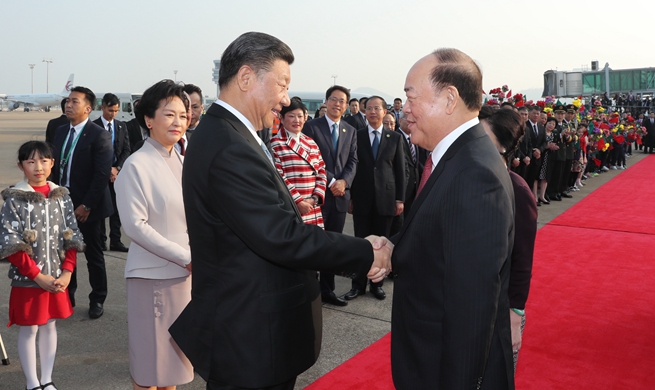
(93, 354)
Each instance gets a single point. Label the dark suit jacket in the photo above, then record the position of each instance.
(90, 169)
(53, 125)
(339, 165)
(134, 134)
(450, 316)
(121, 142)
(413, 172)
(254, 319)
(647, 140)
(379, 181)
(357, 121)
(537, 142)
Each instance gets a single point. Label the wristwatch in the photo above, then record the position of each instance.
(86, 208)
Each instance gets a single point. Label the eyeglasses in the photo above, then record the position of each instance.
(376, 108)
(336, 101)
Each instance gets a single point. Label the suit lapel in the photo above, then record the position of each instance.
(474, 132)
(221, 112)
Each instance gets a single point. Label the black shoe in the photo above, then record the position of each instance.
(104, 247)
(118, 247)
(565, 195)
(547, 198)
(353, 293)
(49, 384)
(538, 203)
(333, 300)
(378, 293)
(95, 310)
(544, 201)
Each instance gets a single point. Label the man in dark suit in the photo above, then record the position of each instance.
(647, 140)
(254, 320)
(523, 154)
(337, 141)
(135, 133)
(378, 191)
(537, 134)
(415, 157)
(396, 111)
(356, 119)
(197, 108)
(450, 321)
(54, 124)
(121, 144)
(83, 157)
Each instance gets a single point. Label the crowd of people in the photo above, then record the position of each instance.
(258, 217)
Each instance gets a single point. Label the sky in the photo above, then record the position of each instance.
(126, 46)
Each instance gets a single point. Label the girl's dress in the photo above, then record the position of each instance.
(38, 234)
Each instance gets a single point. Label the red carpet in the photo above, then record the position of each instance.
(591, 311)
(626, 200)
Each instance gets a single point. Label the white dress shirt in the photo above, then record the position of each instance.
(450, 139)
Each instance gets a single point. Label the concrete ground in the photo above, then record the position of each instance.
(93, 354)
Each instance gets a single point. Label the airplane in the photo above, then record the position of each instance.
(39, 99)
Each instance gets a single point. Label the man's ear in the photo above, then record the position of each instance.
(452, 98)
(245, 77)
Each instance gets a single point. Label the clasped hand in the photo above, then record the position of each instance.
(50, 284)
(382, 250)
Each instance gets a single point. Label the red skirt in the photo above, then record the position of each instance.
(35, 306)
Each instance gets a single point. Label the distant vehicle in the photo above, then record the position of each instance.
(126, 106)
(45, 100)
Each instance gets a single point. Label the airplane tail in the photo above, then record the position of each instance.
(69, 85)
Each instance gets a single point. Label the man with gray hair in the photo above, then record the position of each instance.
(450, 320)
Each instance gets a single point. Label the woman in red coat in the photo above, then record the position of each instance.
(299, 161)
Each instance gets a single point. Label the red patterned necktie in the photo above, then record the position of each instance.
(427, 171)
(182, 148)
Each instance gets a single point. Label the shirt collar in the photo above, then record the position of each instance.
(104, 122)
(240, 117)
(330, 122)
(371, 130)
(450, 139)
(80, 125)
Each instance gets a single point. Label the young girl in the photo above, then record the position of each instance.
(39, 236)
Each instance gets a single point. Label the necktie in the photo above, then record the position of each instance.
(109, 129)
(411, 149)
(63, 180)
(427, 171)
(536, 131)
(268, 154)
(182, 148)
(113, 141)
(335, 136)
(376, 143)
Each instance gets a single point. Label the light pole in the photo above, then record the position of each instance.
(32, 69)
(334, 76)
(175, 72)
(48, 61)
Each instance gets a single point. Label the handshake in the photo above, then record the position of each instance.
(382, 250)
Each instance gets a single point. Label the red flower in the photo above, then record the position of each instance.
(619, 139)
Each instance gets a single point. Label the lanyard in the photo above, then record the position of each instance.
(65, 159)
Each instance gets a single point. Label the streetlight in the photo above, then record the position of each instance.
(334, 76)
(32, 69)
(48, 61)
(175, 72)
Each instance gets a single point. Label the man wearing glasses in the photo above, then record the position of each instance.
(337, 141)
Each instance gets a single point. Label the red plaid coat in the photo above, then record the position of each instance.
(301, 166)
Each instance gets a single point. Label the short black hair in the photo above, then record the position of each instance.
(333, 88)
(255, 49)
(535, 108)
(522, 108)
(63, 104)
(294, 105)
(352, 100)
(32, 148)
(455, 68)
(362, 102)
(89, 96)
(191, 88)
(551, 119)
(485, 112)
(110, 100)
(153, 96)
(397, 100)
(384, 103)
